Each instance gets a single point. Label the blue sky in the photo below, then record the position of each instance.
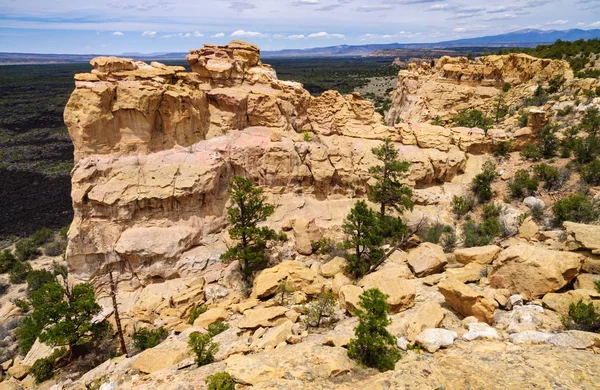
(145, 26)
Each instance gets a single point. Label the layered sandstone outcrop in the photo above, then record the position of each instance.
(156, 146)
(424, 93)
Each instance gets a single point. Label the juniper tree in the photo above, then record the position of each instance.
(364, 238)
(389, 192)
(373, 346)
(249, 209)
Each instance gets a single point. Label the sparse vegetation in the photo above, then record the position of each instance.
(321, 308)
(575, 208)
(217, 327)
(284, 290)
(363, 238)
(481, 234)
(203, 347)
(220, 381)
(19, 271)
(43, 369)
(473, 118)
(549, 174)
(462, 205)
(195, 313)
(590, 173)
(250, 208)
(438, 233)
(373, 346)
(502, 149)
(7, 260)
(144, 339)
(583, 317)
(482, 182)
(522, 185)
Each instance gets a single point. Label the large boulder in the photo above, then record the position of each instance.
(305, 233)
(349, 297)
(479, 254)
(586, 236)
(468, 301)
(427, 259)
(333, 267)
(532, 271)
(401, 292)
(165, 355)
(433, 339)
(297, 275)
(210, 316)
(560, 302)
(428, 316)
(268, 316)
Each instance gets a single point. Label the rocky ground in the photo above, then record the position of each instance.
(156, 147)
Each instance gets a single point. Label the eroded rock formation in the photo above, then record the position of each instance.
(453, 84)
(156, 146)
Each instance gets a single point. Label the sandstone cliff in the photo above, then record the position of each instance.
(424, 93)
(156, 146)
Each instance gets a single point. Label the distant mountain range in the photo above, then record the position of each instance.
(521, 38)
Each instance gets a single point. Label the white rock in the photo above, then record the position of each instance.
(532, 201)
(436, 338)
(530, 337)
(480, 330)
(402, 343)
(215, 291)
(514, 300)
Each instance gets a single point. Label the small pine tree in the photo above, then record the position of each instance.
(203, 347)
(389, 192)
(373, 346)
(364, 238)
(249, 210)
(482, 183)
(322, 307)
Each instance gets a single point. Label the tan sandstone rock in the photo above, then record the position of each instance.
(427, 259)
(253, 318)
(430, 315)
(297, 275)
(534, 271)
(349, 297)
(210, 316)
(165, 355)
(588, 236)
(479, 254)
(468, 301)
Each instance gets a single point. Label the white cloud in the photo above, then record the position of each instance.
(248, 34)
(149, 33)
(326, 35)
(296, 36)
(118, 33)
(198, 34)
(218, 35)
(559, 22)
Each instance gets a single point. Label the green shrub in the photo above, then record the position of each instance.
(203, 347)
(531, 152)
(42, 369)
(55, 248)
(7, 260)
(482, 183)
(220, 381)
(549, 174)
(373, 346)
(320, 308)
(148, 338)
(473, 118)
(548, 142)
(306, 136)
(575, 208)
(586, 149)
(522, 184)
(502, 149)
(437, 121)
(462, 205)
(438, 233)
(284, 290)
(41, 237)
(565, 111)
(22, 304)
(37, 278)
(537, 212)
(492, 210)
(506, 87)
(217, 327)
(597, 283)
(539, 98)
(567, 144)
(195, 313)
(583, 317)
(26, 249)
(19, 271)
(591, 121)
(481, 234)
(555, 83)
(363, 236)
(523, 118)
(591, 173)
